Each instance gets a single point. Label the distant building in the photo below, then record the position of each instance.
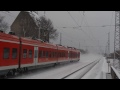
(26, 25)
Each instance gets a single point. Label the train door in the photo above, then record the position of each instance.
(35, 55)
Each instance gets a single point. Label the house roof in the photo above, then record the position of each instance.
(9, 18)
(34, 16)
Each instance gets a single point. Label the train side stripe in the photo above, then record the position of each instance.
(8, 67)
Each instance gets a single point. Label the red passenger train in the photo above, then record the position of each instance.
(21, 54)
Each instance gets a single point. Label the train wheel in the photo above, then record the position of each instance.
(14, 71)
(25, 69)
(10, 73)
(4, 76)
(55, 64)
(20, 70)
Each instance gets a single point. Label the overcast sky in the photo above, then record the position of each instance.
(92, 38)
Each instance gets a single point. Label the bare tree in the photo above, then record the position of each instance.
(3, 24)
(47, 28)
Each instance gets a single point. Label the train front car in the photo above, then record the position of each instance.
(9, 53)
(73, 54)
(78, 54)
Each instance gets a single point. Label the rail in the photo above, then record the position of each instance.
(78, 76)
(114, 73)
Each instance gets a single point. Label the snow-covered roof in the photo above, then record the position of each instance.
(35, 16)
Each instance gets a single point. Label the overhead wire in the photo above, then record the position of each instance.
(78, 25)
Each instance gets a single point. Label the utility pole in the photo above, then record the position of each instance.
(79, 45)
(108, 53)
(85, 43)
(109, 44)
(60, 38)
(39, 33)
(117, 37)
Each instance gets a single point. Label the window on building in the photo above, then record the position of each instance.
(30, 53)
(6, 53)
(24, 53)
(14, 53)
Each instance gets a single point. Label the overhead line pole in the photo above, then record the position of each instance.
(117, 38)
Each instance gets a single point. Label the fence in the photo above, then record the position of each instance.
(114, 73)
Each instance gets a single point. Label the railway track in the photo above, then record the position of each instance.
(79, 73)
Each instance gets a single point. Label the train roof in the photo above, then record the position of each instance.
(8, 37)
(28, 41)
(62, 47)
(37, 43)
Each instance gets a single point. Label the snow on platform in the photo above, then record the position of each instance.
(99, 71)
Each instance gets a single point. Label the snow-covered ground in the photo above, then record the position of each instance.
(60, 71)
(98, 71)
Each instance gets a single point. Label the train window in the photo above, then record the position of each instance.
(6, 53)
(50, 54)
(24, 53)
(56, 54)
(53, 55)
(30, 53)
(14, 53)
(46, 54)
(40, 54)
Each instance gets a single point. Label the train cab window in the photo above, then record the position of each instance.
(24, 53)
(6, 53)
(14, 53)
(30, 53)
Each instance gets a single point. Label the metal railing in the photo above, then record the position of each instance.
(114, 73)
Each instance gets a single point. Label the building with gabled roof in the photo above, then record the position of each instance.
(27, 24)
